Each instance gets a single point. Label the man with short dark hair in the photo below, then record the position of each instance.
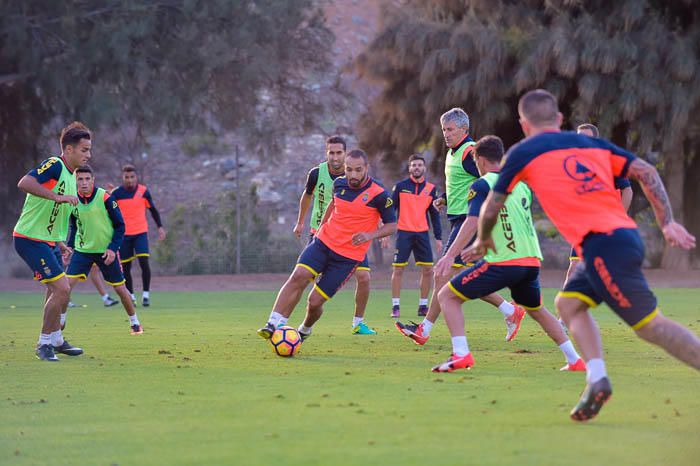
(43, 223)
(413, 199)
(133, 199)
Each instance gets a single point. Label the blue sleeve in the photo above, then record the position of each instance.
(152, 208)
(395, 198)
(476, 197)
(73, 229)
(311, 180)
(468, 163)
(435, 216)
(622, 183)
(383, 203)
(619, 155)
(50, 169)
(115, 215)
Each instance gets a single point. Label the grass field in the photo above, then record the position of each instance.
(199, 387)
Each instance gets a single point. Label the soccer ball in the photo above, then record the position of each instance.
(285, 341)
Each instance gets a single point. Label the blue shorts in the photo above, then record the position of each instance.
(364, 265)
(134, 246)
(81, 263)
(455, 224)
(482, 279)
(43, 259)
(611, 271)
(331, 269)
(573, 255)
(416, 242)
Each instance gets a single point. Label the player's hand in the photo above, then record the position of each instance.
(439, 204)
(66, 254)
(109, 256)
(478, 250)
(676, 235)
(162, 234)
(360, 238)
(443, 267)
(110, 187)
(438, 245)
(384, 242)
(61, 199)
(298, 228)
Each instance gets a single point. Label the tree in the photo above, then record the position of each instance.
(153, 64)
(631, 67)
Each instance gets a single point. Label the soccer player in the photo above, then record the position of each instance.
(413, 199)
(97, 281)
(460, 173)
(347, 229)
(621, 184)
(51, 191)
(515, 265)
(319, 184)
(133, 199)
(97, 230)
(572, 177)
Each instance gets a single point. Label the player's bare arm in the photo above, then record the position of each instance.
(31, 185)
(387, 229)
(627, 194)
(327, 213)
(674, 233)
(466, 232)
(487, 220)
(304, 204)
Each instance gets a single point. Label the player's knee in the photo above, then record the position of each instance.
(567, 307)
(61, 288)
(427, 271)
(445, 295)
(315, 302)
(362, 277)
(398, 271)
(301, 277)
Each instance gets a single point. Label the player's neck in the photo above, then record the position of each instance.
(65, 162)
(544, 129)
(417, 180)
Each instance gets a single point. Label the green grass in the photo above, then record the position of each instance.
(199, 387)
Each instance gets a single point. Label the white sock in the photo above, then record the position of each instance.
(569, 352)
(423, 302)
(44, 339)
(56, 338)
(427, 325)
(395, 301)
(105, 297)
(356, 321)
(134, 320)
(63, 318)
(277, 319)
(460, 346)
(595, 370)
(304, 330)
(506, 308)
(146, 294)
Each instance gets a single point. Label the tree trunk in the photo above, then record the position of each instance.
(674, 174)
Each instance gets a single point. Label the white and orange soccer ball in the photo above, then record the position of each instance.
(285, 341)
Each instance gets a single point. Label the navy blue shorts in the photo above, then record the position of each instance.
(455, 225)
(43, 259)
(611, 271)
(416, 242)
(364, 265)
(134, 246)
(329, 268)
(573, 255)
(81, 263)
(482, 279)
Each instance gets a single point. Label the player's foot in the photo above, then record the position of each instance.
(513, 322)
(413, 331)
(456, 362)
(578, 366)
(136, 329)
(593, 398)
(46, 353)
(363, 329)
(267, 331)
(72, 304)
(304, 336)
(109, 301)
(422, 310)
(68, 349)
(145, 302)
(395, 312)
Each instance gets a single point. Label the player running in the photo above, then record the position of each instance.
(515, 265)
(97, 230)
(51, 191)
(572, 177)
(347, 229)
(460, 173)
(319, 184)
(413, 199)
(133, 199)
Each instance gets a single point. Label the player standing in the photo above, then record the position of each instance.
(133, 199)
(318, 192)
(514, 265)
(413, 199)
(97, 230)
(51, 191)
(572, 177)
(347, 229)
